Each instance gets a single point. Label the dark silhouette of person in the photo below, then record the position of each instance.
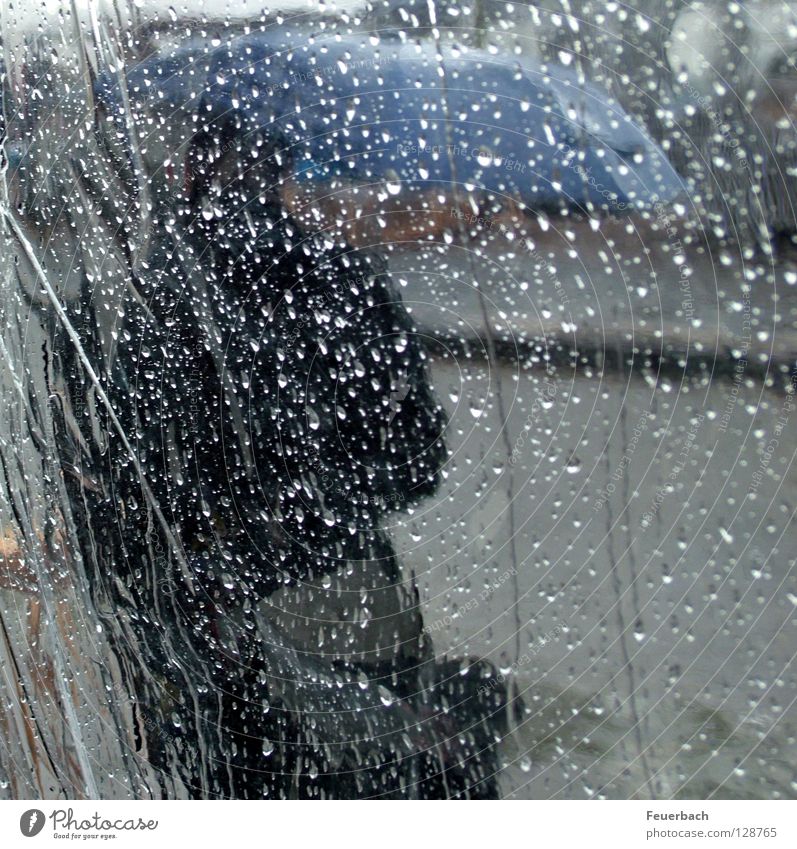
(275, 396)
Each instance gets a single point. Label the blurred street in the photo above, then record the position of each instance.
(653, 594)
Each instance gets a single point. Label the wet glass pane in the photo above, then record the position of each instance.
(398, 400)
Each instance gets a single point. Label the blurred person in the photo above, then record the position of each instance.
(238, 404)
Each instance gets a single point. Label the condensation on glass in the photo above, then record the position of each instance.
(397, 400)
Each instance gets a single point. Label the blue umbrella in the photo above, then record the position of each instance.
(351, 108)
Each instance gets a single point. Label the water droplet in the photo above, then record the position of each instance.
(484, 157)
(392, 182)
(313, 421)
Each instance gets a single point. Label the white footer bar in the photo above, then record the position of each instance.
(390, 825)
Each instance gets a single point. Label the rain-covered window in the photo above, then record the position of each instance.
(398, 399)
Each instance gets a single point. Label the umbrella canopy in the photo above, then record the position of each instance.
(358, 109)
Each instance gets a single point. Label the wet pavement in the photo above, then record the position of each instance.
(618, 541)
